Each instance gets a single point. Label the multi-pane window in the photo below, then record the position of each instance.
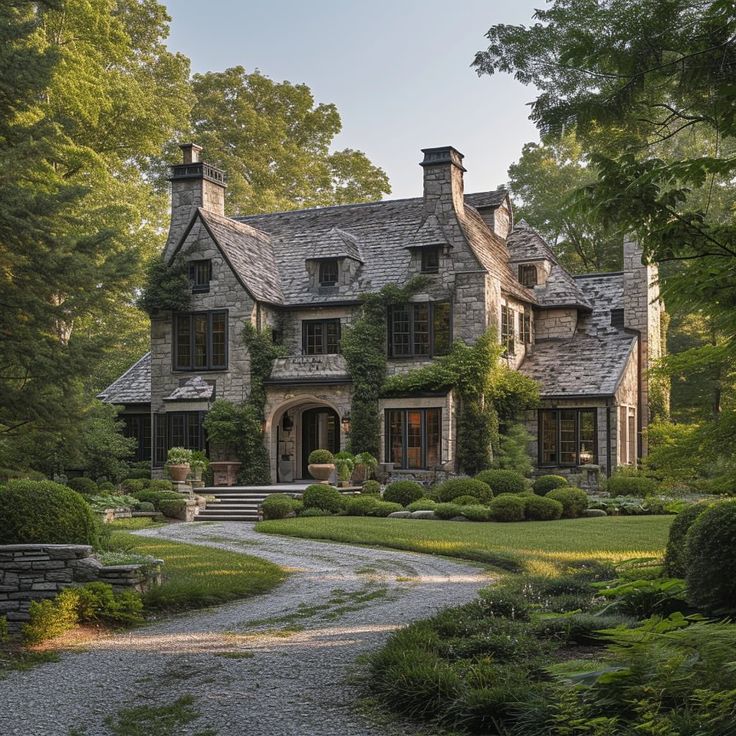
(139, 427)
(507, 330)
(525, 327)
(177, 429)
(422, 328)
(328, 272)
(430, 259)
(568, 436)
(414, 438)
(528, 275)
(200, 274)
(321, 336)
(200, 341)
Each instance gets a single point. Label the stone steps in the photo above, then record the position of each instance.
(236, 503)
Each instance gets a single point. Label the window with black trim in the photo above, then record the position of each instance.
(430, 259)
(414, 438)
(528, 275)
(507, 330)
(328, 272)
(419, 329)
(321, 336)
(200, 274)
(617, 318)
(178, 429)
(525, 327)
(568, 436)
(138, 426)
(200, 341)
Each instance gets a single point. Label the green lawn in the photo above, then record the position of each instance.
(196, 576)
(537, 545)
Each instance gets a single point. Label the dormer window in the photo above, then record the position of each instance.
(431, 259)
(528, 275)
(200, 274)
(328, 272)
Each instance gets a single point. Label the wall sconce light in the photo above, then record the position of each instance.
(287, 423)
(346, 424)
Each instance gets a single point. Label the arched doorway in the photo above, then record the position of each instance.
(320, 430)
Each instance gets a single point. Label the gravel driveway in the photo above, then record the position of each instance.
(276, 664)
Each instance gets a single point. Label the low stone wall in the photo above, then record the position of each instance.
(31, 572)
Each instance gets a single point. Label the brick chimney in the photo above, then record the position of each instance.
(443, 181)
(194, 183)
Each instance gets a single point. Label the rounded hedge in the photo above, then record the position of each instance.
(466, 501)
(159, 484)
(447, 510)
(321, 457)
(277, 506)
(546, 483)
(630, 483)
(133, 485)
(371, 486)
(360, 505)
(173, 508)
(574, 501)
(320, 496)
(507, 507)
(144, 506)
(503, 481)
(711, 560)
(384, 508)
(156, 497)
(675, 556)
(41, 511)
(457, 487)
(541, 508)
(423, 504)
(85, 486)
(476, 512)
(403, 492)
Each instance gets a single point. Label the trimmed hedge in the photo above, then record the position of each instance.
(630, 482)
(467, 501)
(320, 457)
(85, 486)
(503, 481)
(360, 505)
(384, 508)
(711, 560)
(456, 487)
(41, 511)
(574, 501)
(156, 497)
(675, 556)
(546, 483)
(403, 492)
(541, 508)
(320, 496)
(447, 510)
(173, 508)
(371, 486)
(507, 507)
(423, 504)
(476, 512)
(278, 506)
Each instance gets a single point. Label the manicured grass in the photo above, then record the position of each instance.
(536, 545)
(196, 576)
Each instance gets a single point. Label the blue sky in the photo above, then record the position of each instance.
(398, 71)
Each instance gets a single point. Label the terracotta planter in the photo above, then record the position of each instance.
(321, 471)
(178, 473)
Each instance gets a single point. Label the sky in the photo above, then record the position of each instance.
(397, 70)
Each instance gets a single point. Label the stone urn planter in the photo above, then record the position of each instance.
(178, 473)
(321, 472)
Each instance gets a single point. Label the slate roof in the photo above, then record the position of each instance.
(429, 232)
(336, 244)
(526, 244)
(195, 389)
(592, 362)
(382, 231)
(133, 387)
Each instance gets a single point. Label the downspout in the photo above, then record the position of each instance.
(639, 407)
(608, 438)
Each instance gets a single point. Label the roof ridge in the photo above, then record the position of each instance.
(596, 274)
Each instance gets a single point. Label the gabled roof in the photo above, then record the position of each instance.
(429, 233)
(487, 200)
(195, 389)
(526, 244)
(133, 387)
(337, 243)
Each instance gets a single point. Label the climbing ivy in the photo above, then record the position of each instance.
(167, 287)
(262, 351)
(363, 344)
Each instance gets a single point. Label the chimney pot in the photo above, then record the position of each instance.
(191, 152)
(443, 181)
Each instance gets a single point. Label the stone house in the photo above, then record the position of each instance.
(588, 340)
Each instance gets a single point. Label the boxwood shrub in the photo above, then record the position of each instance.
(360, 505)
(133, 485)
(503, 481)
(711, 560)
(507, 507)
(85, 486)
(574, 501)
(541, 508)
(447, 510)
(156, 497)
(466, 501)
(675, 556)
(476, 512)
(456, 487)
(384, 508)
(278, 506)
(320, 457)
(546, 483)
(630, 482)
(174, 508)
(403, 492)
(371, 486)
(41, 511)
(320, 496)
(423, 504)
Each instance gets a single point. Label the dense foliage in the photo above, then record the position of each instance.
(403, 492)
(574, 501)
(323, 497)
(541, 508)
(546, 483)
(507, 507)
(503, 481)
(675, 557)
(453, 488)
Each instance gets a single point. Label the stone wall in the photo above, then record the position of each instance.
(32, 572)
(552, 324)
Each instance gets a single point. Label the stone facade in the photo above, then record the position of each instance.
(33, 572)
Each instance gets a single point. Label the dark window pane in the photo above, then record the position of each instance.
(328, 272)
(433, 437)
(441, 327)
(568, 449)
(549, 437)
(430, 260)
(219, 337)
(421, 329)
(394, 438)
(182, 358)
(588, 439)
(200, 274)
(507, 330)
(200, 340)
(160, 436)
(332, 338)
(177, 430)
(414, 439)
(528, 275)
(321, 337)
(400, 331)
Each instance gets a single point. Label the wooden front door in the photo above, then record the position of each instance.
(320, 431)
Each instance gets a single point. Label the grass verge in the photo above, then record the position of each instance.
(535, 546)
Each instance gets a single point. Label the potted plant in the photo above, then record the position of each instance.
(365, 466)
(344, 465)
(178, 462)
(321, 465)
(199, 464)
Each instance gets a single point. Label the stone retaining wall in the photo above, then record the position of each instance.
(31, 572)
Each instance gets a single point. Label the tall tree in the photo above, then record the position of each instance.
(543, 181)
(274, 143)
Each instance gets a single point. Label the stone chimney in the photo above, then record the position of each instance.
(194, 183)
(443, 181)
(643, 310)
